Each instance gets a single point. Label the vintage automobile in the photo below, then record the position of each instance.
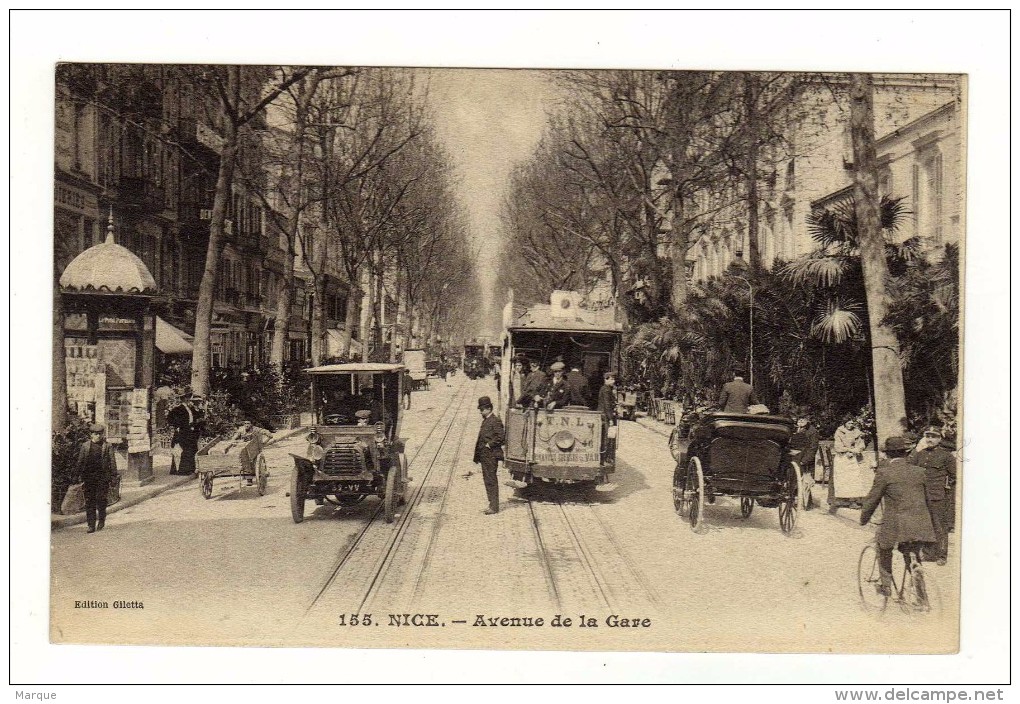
(573, 444)
(354, 445)
(740, 455)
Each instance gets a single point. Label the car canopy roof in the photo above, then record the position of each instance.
(356, 368)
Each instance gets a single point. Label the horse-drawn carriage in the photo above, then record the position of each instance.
(739, 455)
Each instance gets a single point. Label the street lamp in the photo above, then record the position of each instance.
(750, 296)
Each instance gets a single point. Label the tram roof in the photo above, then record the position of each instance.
(540, 318)
(355, 368)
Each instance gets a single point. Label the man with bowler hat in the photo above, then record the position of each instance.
(906, 522)
(489, 451)
(96, 467)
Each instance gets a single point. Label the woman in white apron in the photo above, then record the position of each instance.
(852, 473)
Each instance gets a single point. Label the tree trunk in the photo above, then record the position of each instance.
(283, 303)
(350, 310)
(751, 170)
(318, 319)
(680, 245)
(58, 412)
(200, 360)
(890, 406)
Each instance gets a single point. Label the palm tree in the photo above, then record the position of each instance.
(834, 267)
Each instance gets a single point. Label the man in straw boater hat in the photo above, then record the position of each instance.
(489, 451)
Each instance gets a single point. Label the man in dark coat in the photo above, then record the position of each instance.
(939, 473)
(906, 521)
(187, 420)
(607, 407)
(97, 467)
(805, 442)
(577, 386)
(534, 386)
(489, 451)
(558, 394)
(736, 395)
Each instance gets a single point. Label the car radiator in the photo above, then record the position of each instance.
(345, 458)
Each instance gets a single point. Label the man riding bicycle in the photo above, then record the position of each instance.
(906, 522)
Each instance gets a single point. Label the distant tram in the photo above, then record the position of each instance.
(573, 444)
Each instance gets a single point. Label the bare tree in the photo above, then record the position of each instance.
(236, 95)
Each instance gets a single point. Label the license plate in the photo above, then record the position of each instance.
(351, 487)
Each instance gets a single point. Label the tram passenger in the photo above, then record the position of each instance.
(534, 386)
(577, 384)
(517, 376)
(558, 393)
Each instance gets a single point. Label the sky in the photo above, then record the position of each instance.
(488, 120)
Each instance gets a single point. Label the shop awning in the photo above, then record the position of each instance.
(170, 340)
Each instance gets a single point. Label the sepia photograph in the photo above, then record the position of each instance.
(608, 358)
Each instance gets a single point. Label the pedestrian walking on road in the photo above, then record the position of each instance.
(97, 469)
(489, 451)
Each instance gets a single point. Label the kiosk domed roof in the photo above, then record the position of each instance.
(107, 268)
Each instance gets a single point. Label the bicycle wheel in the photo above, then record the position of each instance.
(920, 592)
(869, 581)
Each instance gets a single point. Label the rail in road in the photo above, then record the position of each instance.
(381, 559)
(583, 561)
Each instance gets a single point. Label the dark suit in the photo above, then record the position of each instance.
(736, 396)
(187, 423)
(607, 403)
(488, 453)
(939, 466)
(806, 441)
(578, 387)
(534, 385)
(96, 466)
(905, 519)
(558, 393)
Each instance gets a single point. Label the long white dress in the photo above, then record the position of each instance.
(852, 472)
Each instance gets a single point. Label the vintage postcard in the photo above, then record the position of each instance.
(615, 360)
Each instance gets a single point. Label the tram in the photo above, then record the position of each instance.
(574, 444)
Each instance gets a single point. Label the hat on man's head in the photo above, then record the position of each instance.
(609, 375)
(484, 402)
(738, 370)
(97, 428)
(557, 367)
(896, 443)
(197, 397)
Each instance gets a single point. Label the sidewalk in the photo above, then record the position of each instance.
(652, 424)
(162, 481)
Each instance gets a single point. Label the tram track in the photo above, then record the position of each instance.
(368, 565)
(584, 564)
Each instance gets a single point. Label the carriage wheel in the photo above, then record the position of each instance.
(390, 499)
(868, 581)
(207, 485)
(261, 474)
(696, 491)
(791, 501)
(405, 484)
(297, 496)
(681, 499)
(746, 506)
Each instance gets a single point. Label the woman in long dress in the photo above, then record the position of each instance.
(852, 475)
